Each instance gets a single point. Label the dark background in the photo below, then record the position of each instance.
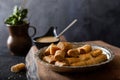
(97, 19)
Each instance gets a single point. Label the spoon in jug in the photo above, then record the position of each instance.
(71, 24)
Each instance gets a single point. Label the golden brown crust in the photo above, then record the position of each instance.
(59, 55)
(65, 46)
(96, 52)
(17, 67)
(85, 57)
(51, 49)
(85, 49)
(100, 58)
(64, 54)
(49, 59)
(90, 61)
(61, 63)
(80, 63)
(73, 53)
(72, 60)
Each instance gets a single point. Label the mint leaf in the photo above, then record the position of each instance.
(17, 17)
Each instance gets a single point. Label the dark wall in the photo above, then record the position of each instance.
(102, 22)
(97, 19)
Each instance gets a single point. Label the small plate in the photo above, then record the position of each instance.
(53, 67)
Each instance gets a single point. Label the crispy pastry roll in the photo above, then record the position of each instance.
(17, 67)
(47, 51)
(84, 49)
(59, 55)
(49, 59)
(72, 60)
(100, 58)
(73, 52)
(85, 57)
(63, 63)
(51, 49)
(80, 63)
(90, 61)
(65, 46)
(96, 52)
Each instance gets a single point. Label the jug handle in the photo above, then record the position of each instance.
(34, 29)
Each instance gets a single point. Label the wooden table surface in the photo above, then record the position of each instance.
(109, 72)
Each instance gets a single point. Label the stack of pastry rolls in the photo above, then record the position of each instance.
(65, 54)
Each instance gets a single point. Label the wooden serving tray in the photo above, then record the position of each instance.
(110, 71)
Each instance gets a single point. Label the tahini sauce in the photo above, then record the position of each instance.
(47, 39)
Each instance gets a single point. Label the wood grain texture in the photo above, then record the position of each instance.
(107, 72)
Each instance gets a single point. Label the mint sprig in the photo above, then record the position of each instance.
(18, 16)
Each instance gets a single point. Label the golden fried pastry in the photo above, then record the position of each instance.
(47, 51)
(49, 59)
(85, 57)
(85, 49)
(63, 63)
(72, 60)
(90, 61)
(73, 52)
(96, 52)
(80, 63)
(17, 67)
(51, 49)
(65, 46)
(59, 55)
(100, 58)
(66, 54)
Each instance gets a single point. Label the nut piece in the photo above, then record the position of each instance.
(17, 67)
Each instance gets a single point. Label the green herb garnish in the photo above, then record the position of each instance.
(18, 16)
